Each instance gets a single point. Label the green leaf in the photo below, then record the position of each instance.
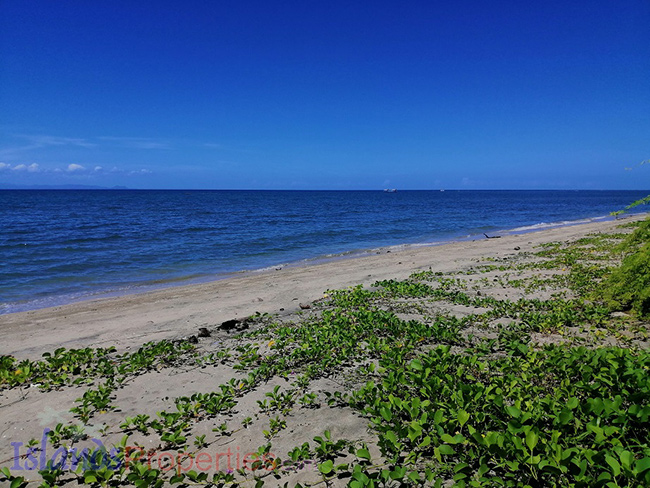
(386, 414)
(531, 439)
(326, 467)
(391, 436)
(415, 430)
(398, 473)
(89, 477)
(445, 449)
(627, 458)
(565, 416)
(513, 411)
(416, 364)
(414, 476)
(363, 454)
(425, 442)
(642, 465)
(613, 463)
(360, 476)
(463, 417)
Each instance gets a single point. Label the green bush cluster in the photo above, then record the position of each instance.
(628, 286)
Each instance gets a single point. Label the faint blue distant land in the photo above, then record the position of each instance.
(7, 186)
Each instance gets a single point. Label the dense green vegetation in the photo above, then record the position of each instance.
(628, 286)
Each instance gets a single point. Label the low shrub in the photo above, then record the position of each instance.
(628, 286)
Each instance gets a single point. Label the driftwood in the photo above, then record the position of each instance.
(491, 237)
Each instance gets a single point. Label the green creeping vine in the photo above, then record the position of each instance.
(83, 366)
(539, 315)
(560, 416)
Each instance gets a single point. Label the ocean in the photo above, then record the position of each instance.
(60, 246)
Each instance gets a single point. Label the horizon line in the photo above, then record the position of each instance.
(90, 188)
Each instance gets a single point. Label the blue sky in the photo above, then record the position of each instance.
(325, 95)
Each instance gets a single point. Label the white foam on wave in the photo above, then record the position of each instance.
(264, 269)
(550, 225)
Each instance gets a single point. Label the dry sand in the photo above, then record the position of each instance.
(129, 321)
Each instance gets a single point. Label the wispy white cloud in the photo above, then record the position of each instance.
(32, 145)
(138, 142)
(46, 140)
(35, 146)
(32, 168)
(72, 169)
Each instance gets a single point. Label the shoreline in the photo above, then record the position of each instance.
(54, 301)
(130, 320)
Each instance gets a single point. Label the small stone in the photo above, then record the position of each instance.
(305, 306)
(619, 314)
(203, 332)
(517, 248)
(193, 339)
(282, 310)
(229, 324)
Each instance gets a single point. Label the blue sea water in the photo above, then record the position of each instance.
(58, 246)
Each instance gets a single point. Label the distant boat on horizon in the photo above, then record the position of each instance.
(390, 190)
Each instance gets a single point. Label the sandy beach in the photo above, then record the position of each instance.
(288, 295)
(131, 320)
